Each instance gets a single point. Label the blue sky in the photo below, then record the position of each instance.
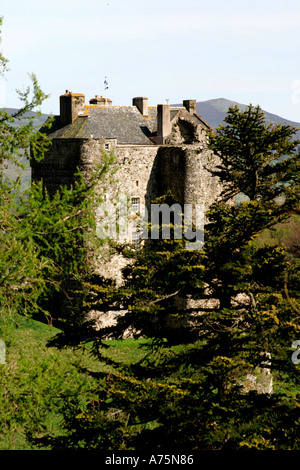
(163, 49)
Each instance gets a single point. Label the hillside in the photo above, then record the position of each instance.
(214, 111)
(38, 119)
(13, 171)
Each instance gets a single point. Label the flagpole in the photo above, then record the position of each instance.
(105, 86)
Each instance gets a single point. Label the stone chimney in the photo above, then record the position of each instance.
(163, 122)
(142, 104)
(190, 106)
(71, 104)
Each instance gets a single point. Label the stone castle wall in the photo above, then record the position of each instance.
(185, 171)
(63, 159)
(143, 172)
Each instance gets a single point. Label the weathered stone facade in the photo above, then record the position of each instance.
(157, 149)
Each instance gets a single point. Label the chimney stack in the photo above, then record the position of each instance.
(100, 101)
(163, 122)
(190, 106)
(142, 104)
(71, 104)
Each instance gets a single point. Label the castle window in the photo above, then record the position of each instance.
(136, 240)
(106, 146)
(135, 204)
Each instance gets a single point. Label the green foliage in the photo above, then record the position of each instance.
(36, 384)
(253, 156)
(215, 322)
(221, 375)
(286, 234)
(43, 239)
(43, 244)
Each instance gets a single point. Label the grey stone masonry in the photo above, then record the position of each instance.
(157, 149)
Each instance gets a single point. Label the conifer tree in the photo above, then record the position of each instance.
(23, 272)
(225, 379)
(42, 239)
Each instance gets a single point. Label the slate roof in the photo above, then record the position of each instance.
(124, 123)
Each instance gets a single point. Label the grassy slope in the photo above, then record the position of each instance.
(286, 234)
(37, 381)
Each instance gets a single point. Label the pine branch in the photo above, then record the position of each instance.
(164, 298)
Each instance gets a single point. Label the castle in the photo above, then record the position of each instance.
(157, 149)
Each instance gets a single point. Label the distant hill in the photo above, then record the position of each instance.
(39, 120)
(13, 171)
(214, 112)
